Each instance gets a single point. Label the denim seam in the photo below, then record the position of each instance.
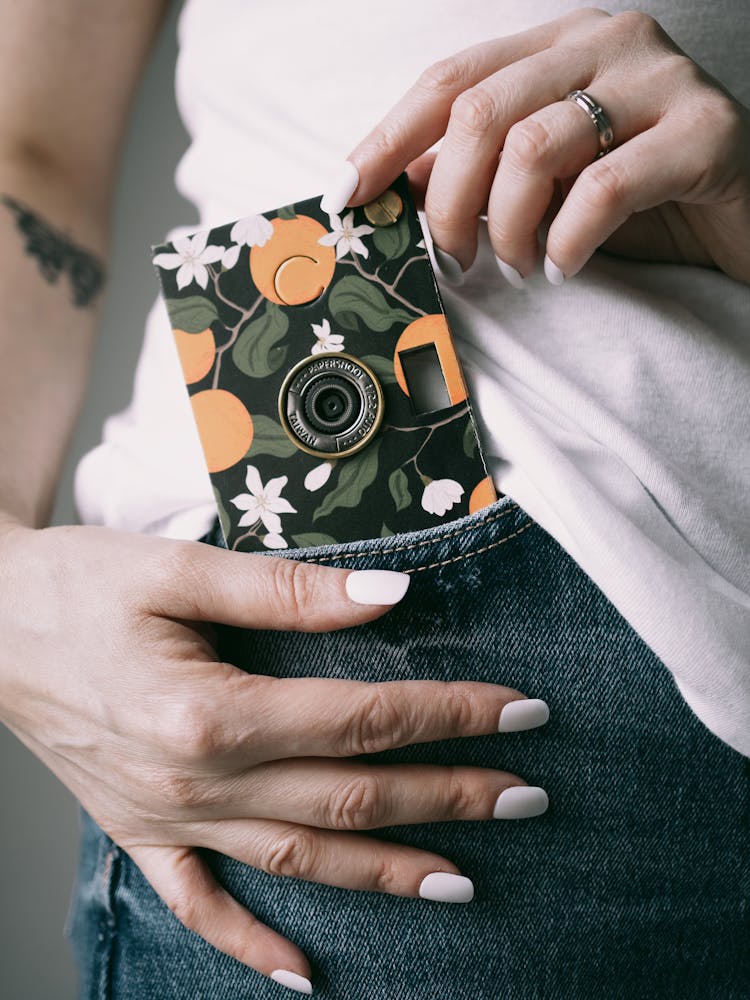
(429, 541)
(474, 552)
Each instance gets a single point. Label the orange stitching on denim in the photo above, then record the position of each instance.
(426, 541)
(476, 552)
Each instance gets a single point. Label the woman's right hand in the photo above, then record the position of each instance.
(108, 674)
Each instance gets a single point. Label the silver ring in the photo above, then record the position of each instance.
(598, 116)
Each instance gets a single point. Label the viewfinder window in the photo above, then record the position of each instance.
(425, 380)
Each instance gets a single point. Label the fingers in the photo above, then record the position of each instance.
(183, 880)
(200, 583)
(554, 143)
(620, 184)
(324, 717)
(420, 118)
(338, 795)
(345, 860)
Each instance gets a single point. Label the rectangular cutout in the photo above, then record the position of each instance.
(424, 377)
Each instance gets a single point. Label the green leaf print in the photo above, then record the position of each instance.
(269, 439)
(287, 212)
(193, 314)
(357, 473)
(383, 368)
(385, 531)
(224, 521)
(309, 538)
(398, 484)
(392, 241)
(470, 440)
(257, 352)
(354, 301)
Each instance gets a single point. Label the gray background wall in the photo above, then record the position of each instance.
(39, 825)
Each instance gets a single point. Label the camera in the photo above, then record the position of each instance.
(324, 383)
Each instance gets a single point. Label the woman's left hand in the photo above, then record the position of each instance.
(675, 187)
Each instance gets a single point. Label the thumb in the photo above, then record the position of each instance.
(271, 592)
(185, 883)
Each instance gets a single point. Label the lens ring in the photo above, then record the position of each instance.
(332, 404)
(295, 415)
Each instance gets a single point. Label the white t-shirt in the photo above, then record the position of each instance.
(615, 409)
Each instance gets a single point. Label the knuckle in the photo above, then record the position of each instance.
(191, 735)
(528, 145)
(604, 186)
(441, 77)
(291, 586)
(387, 137)
(473, 112)
(292, 855)
(460, 797)
(186, 908)
(458, 708)
(358, 803)
(378, 723)
(180, 791)
(638, 26)
(385, 876)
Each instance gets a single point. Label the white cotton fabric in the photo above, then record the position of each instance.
(615, 410)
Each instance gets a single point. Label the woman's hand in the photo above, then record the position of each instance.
(675, 187)
(108, 674)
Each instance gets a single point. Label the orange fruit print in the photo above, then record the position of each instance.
(197, 352)
(432, 329)
(292, 267)
(482, 495)
(224, 425)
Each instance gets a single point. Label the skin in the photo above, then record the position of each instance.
(675, 187)
(262, 775)
(101, 629)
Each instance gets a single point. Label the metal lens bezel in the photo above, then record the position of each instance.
(292, 409)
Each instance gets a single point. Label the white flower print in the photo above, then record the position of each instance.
(191, 256)
(440, 495)
(231, 256)
(318, 476)
(275, 541)
(346, 236)
(254, 231)
(326, 341)
(263, 503)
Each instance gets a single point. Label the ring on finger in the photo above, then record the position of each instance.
(598, 116)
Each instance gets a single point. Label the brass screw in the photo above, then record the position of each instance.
(385, 209)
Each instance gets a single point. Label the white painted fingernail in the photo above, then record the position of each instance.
(553, 272)
(511, 275)
(342, 187)
(526, 713)
(292, 980)
(376, 586)
(520, 802)
(448, 266)
(447, 888)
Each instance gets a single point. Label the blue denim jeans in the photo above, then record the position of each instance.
(635, 882)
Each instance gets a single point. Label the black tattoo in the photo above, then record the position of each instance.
(56, 253)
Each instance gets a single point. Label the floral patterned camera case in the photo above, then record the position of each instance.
(249, 301)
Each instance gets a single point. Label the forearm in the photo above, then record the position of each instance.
(51, 281)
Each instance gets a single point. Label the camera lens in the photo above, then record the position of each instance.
(331, 404)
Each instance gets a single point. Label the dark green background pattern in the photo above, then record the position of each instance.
(370, 302)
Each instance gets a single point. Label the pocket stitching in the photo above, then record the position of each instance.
(474, 552)
(429, 541)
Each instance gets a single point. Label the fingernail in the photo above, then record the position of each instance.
(511, 275)
(447, 888)
(292, 980)
(448, 266)
(520, 802)
(553, 272)
(526, 713)
(342, 187)
(376, 586)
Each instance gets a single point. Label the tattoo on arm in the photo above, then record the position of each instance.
(56, 254)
